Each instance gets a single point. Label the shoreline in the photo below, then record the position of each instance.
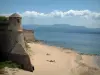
(42, 42)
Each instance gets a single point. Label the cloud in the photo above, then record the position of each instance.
(61, 14)
(85, 18)
(96, 16)
(32, 14)
(74, 17)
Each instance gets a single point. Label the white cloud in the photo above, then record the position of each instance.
(32, 14)
(61, 14)
(75, 17)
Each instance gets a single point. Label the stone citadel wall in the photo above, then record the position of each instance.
(12, 42)
(29, 35)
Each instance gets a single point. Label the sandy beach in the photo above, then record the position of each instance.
(51, 60)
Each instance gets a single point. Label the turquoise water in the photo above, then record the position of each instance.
(81, 42)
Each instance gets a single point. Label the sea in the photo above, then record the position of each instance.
(85, 43)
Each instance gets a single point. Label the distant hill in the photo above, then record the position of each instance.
(63, 28)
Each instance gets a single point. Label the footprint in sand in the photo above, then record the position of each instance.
(51, 60)
(47, 54)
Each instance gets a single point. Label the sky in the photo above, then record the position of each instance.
(48, 12)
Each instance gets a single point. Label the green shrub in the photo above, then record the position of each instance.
(9, 64)
(3, 18)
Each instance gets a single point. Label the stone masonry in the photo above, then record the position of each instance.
(12, 42)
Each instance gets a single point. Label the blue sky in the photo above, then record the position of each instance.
(75, 12)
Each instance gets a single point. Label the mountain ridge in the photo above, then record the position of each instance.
(63, 27)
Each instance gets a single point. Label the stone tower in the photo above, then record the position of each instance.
(15, 21)
(15, 26)
(15, 43)
(12, 43)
